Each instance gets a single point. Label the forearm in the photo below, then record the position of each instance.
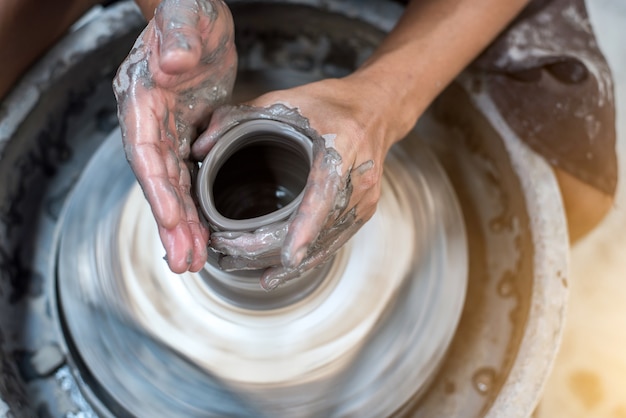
(429, 47)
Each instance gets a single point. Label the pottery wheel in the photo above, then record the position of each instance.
(361, 336)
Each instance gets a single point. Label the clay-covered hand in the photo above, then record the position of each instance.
(351, 137)
(180, 69)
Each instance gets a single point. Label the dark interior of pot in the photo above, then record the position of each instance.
(265, 182)
(45, 148)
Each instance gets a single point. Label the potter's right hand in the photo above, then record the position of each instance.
(181, 67)
(351, 131)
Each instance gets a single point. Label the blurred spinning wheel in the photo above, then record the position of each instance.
(130, 338)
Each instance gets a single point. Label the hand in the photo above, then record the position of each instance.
(181, 67)
(351, 136)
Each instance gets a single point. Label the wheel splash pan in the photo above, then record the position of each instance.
(63, 110)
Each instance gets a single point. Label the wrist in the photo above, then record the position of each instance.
(395, 106)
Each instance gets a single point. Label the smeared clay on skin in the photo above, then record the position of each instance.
(326, 197)
(329, 242)
(251, 244)
(329, 140)
(180, 69)
(363, 168)
(248, 263)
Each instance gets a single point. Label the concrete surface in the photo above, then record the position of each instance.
(589, 377)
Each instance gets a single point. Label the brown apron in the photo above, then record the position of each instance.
(554, 88)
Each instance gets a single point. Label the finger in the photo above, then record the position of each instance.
(243, 263)
(183, 235)
(148, 156)
(322, 195)
(150, 167)
(178, 245)
(222, 119)
(166, 181)
(365, 181)
(198, 232)
(186, 243)
(180, 40)
(274, 277)
(267, 240)
(225, 117)
(200, 238)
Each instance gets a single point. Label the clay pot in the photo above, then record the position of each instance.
(254, 176)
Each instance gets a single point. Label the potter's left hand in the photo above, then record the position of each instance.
(352, 136)
(182, 67)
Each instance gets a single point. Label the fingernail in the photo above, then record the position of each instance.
(295, 260)
(228, 235)
(271, 284)
(299, 256)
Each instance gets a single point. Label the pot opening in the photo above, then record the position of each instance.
(265, 174)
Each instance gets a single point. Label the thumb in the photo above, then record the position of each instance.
(180, 40)
(222, 119)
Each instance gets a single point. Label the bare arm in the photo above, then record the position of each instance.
(431, 44)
